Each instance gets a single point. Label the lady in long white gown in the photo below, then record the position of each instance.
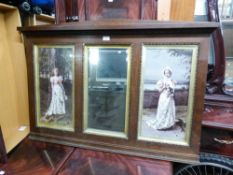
(57, 104)
(166, 111)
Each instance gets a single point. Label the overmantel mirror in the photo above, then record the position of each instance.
(226, 18)
(220, 75)
(106, 86)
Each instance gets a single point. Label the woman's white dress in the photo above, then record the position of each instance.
(57, 104)
(166, 111)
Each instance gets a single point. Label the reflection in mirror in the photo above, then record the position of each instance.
(225, 8)
(106, 86)
(228, 82)
(201, 14)
(226, 16)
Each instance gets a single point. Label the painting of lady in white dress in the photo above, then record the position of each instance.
(167, 85)
(166, 110)
(54, 71)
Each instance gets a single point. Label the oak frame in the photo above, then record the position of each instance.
(134, 34)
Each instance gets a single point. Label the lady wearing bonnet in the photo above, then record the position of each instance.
(166, 111)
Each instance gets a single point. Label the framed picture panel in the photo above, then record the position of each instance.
(134, 88)
(168, 82)
(54, 86)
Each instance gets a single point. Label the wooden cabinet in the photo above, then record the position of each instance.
(32, 20)
(92, 10)
(14, 117)
(182, 10)
(81, 10)
(217, 120)
(217, 135)
(218, 141)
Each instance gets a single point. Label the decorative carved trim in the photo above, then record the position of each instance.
(215, 82)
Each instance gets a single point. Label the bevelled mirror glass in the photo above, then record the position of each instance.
(226, 17)
(106, 90)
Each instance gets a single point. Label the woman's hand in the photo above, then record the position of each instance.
(167, 86)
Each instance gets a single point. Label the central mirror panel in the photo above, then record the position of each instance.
(106, 90)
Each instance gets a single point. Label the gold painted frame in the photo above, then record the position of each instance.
(100, 132)
(191, 92)
(37, 86)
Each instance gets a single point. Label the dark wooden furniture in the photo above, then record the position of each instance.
(216, 80)
(3, 156)
(217, 141)
(134, 34)
(81, 10)
(86, 162)
(217, 135)
(34, 157)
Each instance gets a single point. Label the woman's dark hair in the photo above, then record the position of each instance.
(55, 68)
(168, 70)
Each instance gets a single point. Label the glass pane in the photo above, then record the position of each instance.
(106, 89)
(113, 9)
(167, 91)
(227, 27)
(228, 81)
(225, 8)
(54, 88)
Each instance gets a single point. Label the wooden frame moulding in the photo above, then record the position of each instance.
(134, 34)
